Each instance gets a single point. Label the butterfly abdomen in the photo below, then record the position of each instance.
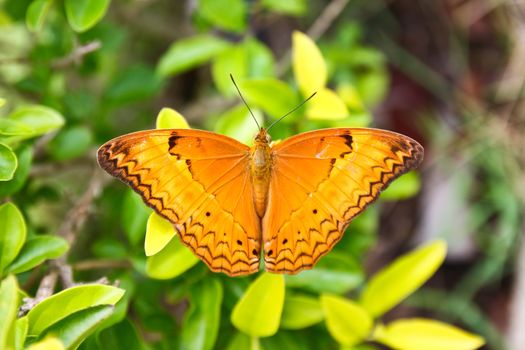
(260, 165)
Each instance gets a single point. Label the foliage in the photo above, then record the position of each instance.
(73, 80)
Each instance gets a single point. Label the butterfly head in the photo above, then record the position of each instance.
(263, 137)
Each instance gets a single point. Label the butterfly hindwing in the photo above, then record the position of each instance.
(200, 182)
(320, 180)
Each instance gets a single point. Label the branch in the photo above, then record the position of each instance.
(77, 54)
(74, 220)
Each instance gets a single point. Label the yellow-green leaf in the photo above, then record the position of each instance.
(171, 261)
(69, 301)
(8, 163)
(406, 186)
(258, 312)
(49, 343)
(346, 321)
(171, 119)
(419, 333)
(84, 14)
(37, 13)
(2, 102)
(326, 105)
(308, 64)
(159, 233)
(8, 307)
(12, 233)
(271, 95)
(301, 311)
(402, 277)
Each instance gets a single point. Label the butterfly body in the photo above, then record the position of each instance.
(260, 164)
(288, 203)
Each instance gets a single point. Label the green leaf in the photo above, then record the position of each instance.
(261, 63)
(171, 119)
(8, 308)
(75, 328)
(346, 321)
(186, 54)
(335, 273)
(8, 163)
(226, 14)
(301, 311)
(10, 127)
(231, 61)
(36, 120)
(24, 155)
(170, 262)
(69, 301)
(419, 333)
(250, 59)
(122, 336)
(134, 217)
(271, 95)
(373, 86)
(37, 13)
(402, 277)
(201, 325)
(258, 312)
(84, 14)
(159, 232)
(287, 7)
(36, 250)
(239, 124)
(17, 337)
(133, 84)
(404, 187)
(241, 341)
(12, 234)
(71, 143)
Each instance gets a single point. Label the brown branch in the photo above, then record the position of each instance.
(74, 220)
(325, 20)
(101, 264)
(76, 56)
(45, 290)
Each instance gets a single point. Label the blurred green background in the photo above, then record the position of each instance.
(76, 73)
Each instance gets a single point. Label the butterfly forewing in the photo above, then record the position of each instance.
(320, 180)
(200, 182)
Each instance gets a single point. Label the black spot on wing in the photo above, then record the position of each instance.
(348, 142)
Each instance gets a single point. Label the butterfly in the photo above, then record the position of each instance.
(289, 202)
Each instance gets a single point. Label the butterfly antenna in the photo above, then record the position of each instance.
(243, 100)
(293, 110)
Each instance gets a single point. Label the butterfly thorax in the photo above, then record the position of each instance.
(260, 166)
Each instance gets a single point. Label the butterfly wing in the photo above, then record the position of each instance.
(320, 180)
(200, 182)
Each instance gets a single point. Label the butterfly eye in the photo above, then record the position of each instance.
(268, 138)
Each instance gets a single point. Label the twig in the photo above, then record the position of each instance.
(74, 220)
(45, 290)
(515, 335)
(101, 264)
(325, 20)
(76, 217)
(77, 54)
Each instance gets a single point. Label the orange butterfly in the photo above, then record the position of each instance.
(225, 199)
